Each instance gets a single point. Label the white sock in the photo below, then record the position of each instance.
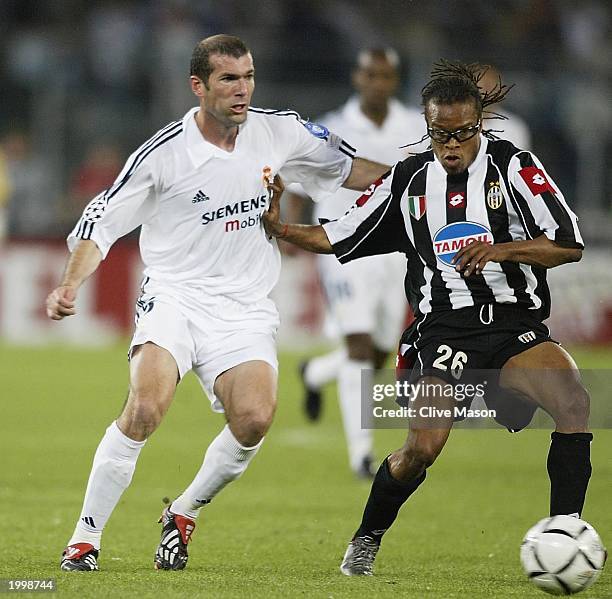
(224, 461)
(324, 369)
(113, 466)
(358, 439)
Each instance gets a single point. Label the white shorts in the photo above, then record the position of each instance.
(208, 335)
(367, 296)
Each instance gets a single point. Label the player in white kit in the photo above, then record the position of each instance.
(510, 126)
(366, 298)
(197, 189)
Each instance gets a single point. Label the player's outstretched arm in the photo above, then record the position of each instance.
(309, 237)
(83, 261)
(540, 251)
(364, 173)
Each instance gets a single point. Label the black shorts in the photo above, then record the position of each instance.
(476, 338)
(452, 344)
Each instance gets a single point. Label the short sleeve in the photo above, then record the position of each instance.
(539, 196)
(320, 160)
(127, 204)
(373, 225)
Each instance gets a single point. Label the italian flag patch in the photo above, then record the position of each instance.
(416, 206)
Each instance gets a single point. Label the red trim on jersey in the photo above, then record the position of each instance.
(369, 192)
(536, 180)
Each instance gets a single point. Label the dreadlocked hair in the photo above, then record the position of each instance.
(455, 81)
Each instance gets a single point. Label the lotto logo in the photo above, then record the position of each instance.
(456, 199)
(536, 180)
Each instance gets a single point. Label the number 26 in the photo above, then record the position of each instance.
(457, 364)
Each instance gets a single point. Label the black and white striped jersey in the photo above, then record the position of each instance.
(419, 210)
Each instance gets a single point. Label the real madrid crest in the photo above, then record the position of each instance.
(495, 197)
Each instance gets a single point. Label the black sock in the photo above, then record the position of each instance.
(386, 498)
(569, 470)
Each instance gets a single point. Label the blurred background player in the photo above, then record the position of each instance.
(5, 188)
(365, 299)
(511, 127)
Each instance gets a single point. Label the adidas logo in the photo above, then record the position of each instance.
(200, 197)
(89, 521)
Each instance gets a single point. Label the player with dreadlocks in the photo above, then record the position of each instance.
(452, 79)
(480, 221)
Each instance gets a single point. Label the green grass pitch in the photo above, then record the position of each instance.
(281, 530)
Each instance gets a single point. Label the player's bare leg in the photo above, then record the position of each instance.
(549, 376)
(248, 395)
(397, 479)
(153, 379)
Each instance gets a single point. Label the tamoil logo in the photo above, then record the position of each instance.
(454, 236)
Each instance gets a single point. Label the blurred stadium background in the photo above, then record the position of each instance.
(83, 84)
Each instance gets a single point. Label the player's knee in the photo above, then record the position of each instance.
(141, 415)
(254, 426)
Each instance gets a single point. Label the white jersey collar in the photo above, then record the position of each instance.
(354, 115)
(198, 148)
(484, 142)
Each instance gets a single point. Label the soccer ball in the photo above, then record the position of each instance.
(562, 555)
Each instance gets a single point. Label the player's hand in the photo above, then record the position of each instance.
(472, 258)
(271, 217)
(60, 302)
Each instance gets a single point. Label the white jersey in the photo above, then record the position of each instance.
(402, 126)
(200, 207)
(513, 129)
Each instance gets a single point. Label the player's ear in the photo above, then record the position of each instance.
(197, 86)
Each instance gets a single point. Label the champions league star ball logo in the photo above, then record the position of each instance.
(319, 131)
(95, 209)
(451, 238)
